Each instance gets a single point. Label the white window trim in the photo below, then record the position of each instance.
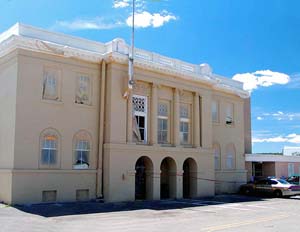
(143, 114)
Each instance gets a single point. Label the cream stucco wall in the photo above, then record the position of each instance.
(34, 115)
(27, 115)
(228, 180)
(8, 87)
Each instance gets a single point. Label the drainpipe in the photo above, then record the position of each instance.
(99, 176)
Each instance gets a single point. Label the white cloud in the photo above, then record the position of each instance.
(259, 118)
(145, 19)
(263, 78)
(96, 23)
(291, 138)
(120, 3)
(279, 115)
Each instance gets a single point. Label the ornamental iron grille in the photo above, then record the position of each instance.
(140, 117)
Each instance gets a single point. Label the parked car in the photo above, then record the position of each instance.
(293, 180)
(271, 186)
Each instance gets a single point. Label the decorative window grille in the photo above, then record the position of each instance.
(140, 118)
(139, 104)
(83, 91)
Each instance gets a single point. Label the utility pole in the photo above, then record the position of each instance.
(131, 53)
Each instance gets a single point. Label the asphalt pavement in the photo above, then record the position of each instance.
(220, 213)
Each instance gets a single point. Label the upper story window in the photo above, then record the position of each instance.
(163, 123)
(140, 118)
(217, 156)
(229, 114)
(49, 149)
(185, 124)
(51, 84)
(83, 90)
(230, 156)
(215, 111)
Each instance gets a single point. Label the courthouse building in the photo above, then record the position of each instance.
(68, 133)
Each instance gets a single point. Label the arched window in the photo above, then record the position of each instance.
(49, 143)
(82, 149)
(230, 156)
(217, 156)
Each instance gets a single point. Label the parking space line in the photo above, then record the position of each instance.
(244, 223)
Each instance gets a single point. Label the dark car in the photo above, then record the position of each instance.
(293, 180)
(270, 186)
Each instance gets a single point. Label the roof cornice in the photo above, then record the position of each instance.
(30, 38)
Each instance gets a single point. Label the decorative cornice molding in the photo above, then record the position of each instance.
(30, 38)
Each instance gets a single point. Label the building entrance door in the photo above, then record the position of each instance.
(143, 178)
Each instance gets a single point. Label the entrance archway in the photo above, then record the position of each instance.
(168, 178)
(143, 178)
(189, 178)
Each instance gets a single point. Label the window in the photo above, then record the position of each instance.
(82, 150)
(215, 111)
(162, 121)
(51, 84)
(257, 169)
(291, 169)
(140, 118)
(82, 194)
(184, 124)
(49, 149)
(83, 90)
(49, 196)
(230, 156)
(229, 114)
(217, 156)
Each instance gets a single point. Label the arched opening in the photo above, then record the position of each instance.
(168, 178)
(189, 178)
(143, 178)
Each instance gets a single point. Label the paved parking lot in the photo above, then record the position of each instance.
(220, 213)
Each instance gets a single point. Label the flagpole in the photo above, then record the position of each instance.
(131, 54)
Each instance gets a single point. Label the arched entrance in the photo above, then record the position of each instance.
(143, 178)
(189, 178)
(168, 178)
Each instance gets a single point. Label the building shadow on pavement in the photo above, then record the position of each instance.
(92, 207)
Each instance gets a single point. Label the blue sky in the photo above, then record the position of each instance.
(254, 41)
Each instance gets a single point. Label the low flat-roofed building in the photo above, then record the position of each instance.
(272, 165)
(68, 133)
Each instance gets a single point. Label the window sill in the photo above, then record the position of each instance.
(84, 105)
(47, 167)
(57, 102)
(230, 125)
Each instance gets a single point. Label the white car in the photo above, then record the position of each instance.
(276, 187)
